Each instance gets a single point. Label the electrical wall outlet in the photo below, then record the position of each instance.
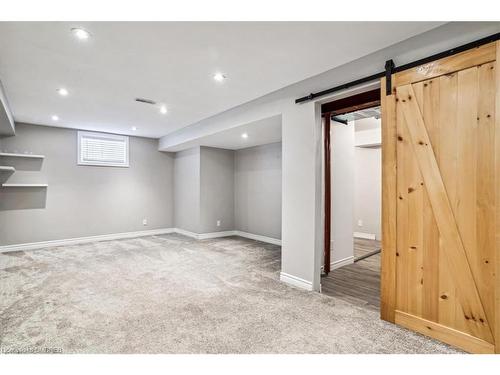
(218, 223)
(144, 221)
(360, 223)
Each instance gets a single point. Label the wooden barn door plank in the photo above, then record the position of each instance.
(389, 188)
(447, 65)
(403, 147)
(453, 247)
(415, 190)
(485, 179)
(429, 101)
(448, 165)
(465, 137)
(444, 333)
(497, 200)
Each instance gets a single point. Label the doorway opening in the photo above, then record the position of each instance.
(352, 182)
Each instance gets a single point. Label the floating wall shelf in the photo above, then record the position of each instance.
(6, 169)
(6, 172)
(24, 185)
(370, 145)
(13, 155)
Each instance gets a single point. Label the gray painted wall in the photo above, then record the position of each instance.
(82, 200)
(216, 190)
(240, 188)
(187, 190)
(89, 200)
(368, 190)
(203, 189)
(257, 190)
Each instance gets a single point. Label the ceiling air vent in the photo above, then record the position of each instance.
(146, 101)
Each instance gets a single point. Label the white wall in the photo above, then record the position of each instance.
(368, 181)
(356, 185)
(257, 190)
(369, 138)
(342, 191)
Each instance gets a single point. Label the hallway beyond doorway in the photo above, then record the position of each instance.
(357, 283)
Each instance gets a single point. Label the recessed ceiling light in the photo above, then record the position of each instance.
(134, 128)
(62, 91)
(163, 109)
(55, 118)
(244, 135)
(219, 77)
(80, 33)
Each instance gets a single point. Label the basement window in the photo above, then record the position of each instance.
(101, 149)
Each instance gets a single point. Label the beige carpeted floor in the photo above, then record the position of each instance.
(172, 294)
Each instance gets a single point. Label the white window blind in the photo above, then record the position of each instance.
(102, 149)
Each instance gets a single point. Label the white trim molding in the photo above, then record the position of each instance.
(227, 233)
(79, 240)
(117, 236)
(186, 233)
(341, 262)
(204, 236)
(258, 237)
(367, 236)
(296, 281)
(84, 137)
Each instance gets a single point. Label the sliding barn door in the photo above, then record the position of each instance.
(441, 198)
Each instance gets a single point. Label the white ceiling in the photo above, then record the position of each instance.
(259, 132)
(172, 63)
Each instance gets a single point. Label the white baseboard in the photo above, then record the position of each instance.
(117, 236)
(227, 233)
(341, 262)
(186, 233)
(204, 236)
(367, 236)
(258, 237)
(79, 240)
(295, 281)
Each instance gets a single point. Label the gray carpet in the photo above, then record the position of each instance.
(172, 294)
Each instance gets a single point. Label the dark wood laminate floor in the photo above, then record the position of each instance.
(358, 283)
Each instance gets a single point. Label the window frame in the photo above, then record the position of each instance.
(82, 134)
